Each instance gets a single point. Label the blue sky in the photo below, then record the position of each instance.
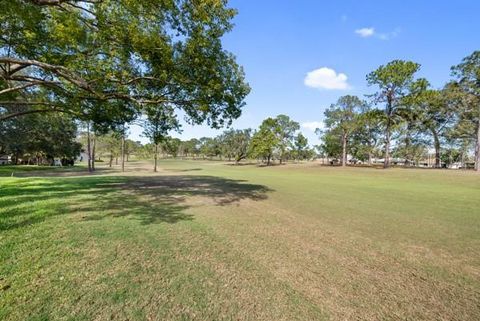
(336, 43)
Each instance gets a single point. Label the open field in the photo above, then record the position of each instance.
(209, 241)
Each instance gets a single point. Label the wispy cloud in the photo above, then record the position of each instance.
(365, 32)
(313, 125)
(389, 35)
(326, 78)
(371, 32)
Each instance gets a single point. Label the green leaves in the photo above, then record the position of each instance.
(395, 81)
(274, 135)
(122, 52)
(234, 143)
(159, 121)
(264, 141)
(343, 114)
(468, 73)
(396, 75)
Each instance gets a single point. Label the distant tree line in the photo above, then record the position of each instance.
(276, 139)
(406, 118)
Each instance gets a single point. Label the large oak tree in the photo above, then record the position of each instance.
(104, 60)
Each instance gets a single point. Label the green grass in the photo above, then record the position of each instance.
(23, 170)
(208, 241)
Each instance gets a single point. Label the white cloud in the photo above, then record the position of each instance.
(371, 32)
(313, 125)
(326, 78)
(365, 32)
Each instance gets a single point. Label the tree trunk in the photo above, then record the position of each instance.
(155, 158)
(369, 159)
(407, 147)
(123, 153)
(477, 148)
(386, 163)
(268, 160)
(111, 159)
(93, 152)
(344, 150)
(436, 143)
(238, 158)
(89, 150)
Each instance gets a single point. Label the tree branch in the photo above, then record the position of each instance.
(56, 69)
(17, 88)
(33, 111)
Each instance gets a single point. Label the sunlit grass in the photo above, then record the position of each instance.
(22, 170)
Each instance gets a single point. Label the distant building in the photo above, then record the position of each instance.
(457, 165)
(5, 159)
(83, 157)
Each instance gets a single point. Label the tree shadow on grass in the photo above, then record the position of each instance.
(149, 199)
(219, 191)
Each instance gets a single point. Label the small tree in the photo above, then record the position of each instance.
(300, 148)
(264, 141)
(159, 121)
(235, 143)
(191, 147)
(284, 129)
(344, 116)
(331, 142)
(172, 146)
(109, 144)
(209, 147)
(366, 138)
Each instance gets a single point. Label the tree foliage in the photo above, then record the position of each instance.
(106, 60)
(39, 138)
(395, 81)
(467, 74)
(265, 140)
(234, 143)
(343, 116)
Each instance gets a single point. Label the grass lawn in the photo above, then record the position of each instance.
(29, 170)
(209, 241)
